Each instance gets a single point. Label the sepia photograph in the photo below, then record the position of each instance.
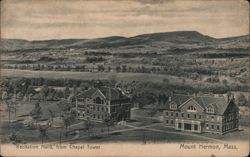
(124, 78)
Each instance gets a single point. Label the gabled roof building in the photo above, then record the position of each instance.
(202, 113)
(101, 103)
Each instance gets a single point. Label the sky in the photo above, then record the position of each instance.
(86, 19)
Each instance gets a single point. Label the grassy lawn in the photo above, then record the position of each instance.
(24, 108)
(140, 136)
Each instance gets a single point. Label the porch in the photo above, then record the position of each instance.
(188, 125)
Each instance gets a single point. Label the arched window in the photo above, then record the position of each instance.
(98, 100)
(210, 109)
(191, 108)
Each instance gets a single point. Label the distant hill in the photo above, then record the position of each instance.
(167, 40)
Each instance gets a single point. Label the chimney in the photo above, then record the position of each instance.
(169, 98)
(172, 94)
(195, 94)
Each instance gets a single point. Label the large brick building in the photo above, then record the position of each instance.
(102, 103)
(202, 113)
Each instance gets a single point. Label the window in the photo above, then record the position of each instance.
(212, 126)
(167, 113)
(210, 110)
(179, 125)
(97, 108)
(172, 122)
(182, 114)
(172, 114)
(167, 121)
(188, 115)
(195, 116)
(176, 114)
(218, 127)
(207, 126)
(195, 127)
(173, 106)
(199, 116)
(212, 118)
(98, 100)
(191, 108)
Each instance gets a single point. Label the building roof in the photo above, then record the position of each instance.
(87, 93)
(109, 93)
(219, 103)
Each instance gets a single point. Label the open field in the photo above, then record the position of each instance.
(89, 75)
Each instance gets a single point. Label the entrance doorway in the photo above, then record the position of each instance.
(187, 126)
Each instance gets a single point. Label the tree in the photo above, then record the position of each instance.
(164, 98)
(66, 122)
(88, 125)
(58, 94)
(44, 92)
(242, 101)
(112, 80)
(43, 130)
(68, 119)
(63, 105)
(183, 81)
(124, 68)
(109, 68)
(118, 68)
(30, 91)
(66, 92)
(108, 121)
(101, 68)
(52, 115)
(165, 80)
(9, 109)
(152, 112)
(36, 112)
(84, 86)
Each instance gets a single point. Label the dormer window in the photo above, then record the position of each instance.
(173, 106)
(98, 100)
(210, 110)
(191, 108)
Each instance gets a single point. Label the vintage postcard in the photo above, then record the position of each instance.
(124, 78)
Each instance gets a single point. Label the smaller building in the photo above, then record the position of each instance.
(101, 103)
(202, 113)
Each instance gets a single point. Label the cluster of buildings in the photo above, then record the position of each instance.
(215, 114)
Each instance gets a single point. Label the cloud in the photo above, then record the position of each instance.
(95, 18)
